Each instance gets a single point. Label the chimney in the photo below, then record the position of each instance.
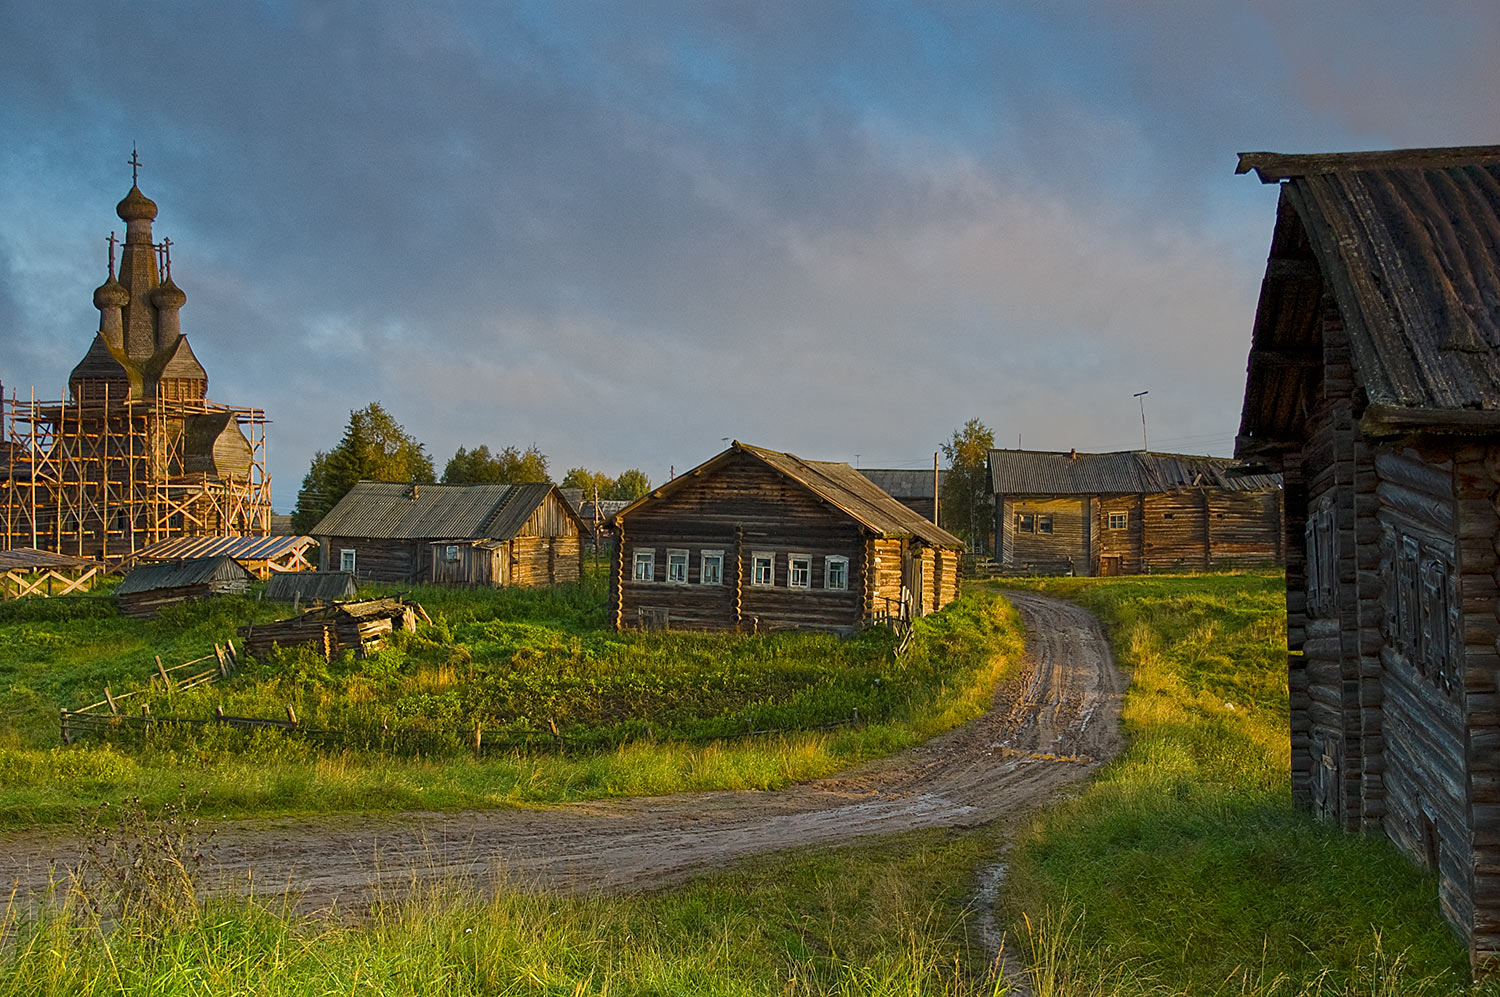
(413, 493)
(1073, 454)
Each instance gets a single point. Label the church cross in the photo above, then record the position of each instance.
(111, 256)
(135, 168)
(166, 257)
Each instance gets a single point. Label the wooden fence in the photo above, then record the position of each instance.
(17, 583)
(93, 717)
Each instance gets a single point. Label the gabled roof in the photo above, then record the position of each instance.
(904, 483)
(31, 559)
(1408, 244)
(385, 510)
(836, 483)
(240, 548)
(311, 586)
(1126, 472)
(180, 574)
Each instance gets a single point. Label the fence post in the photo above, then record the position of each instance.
(291, 714)
(223, 668)
(163, 673)
(478, 736)
(111, 701)
(66, 736)
(556, 735)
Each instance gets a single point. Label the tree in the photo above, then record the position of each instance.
(589, 482)
(510, 466)
(630, 485)
(966, 492)
(375, 447)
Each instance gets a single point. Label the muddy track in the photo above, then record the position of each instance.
(1052, 723)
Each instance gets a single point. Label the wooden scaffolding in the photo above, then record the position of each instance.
(103, 477)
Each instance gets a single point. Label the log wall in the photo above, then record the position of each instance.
(1065, 549)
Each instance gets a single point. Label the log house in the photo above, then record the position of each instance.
(1374, 388)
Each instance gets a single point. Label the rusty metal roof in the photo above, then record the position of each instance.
(836, 483)
(387, 510)
(267, 548)
(1126, 472)
(1407, 243)
(180, 574)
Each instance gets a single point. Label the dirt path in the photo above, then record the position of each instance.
(1051, 724)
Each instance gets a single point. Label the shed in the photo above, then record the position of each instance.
(1130, 512)
(28, 571)
(484, 534)
(916, 488)
(151, 587)
(262, 555)
(1374, 388)
(757, 539)
(308, 587)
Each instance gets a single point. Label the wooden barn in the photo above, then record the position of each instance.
(1130, 512)
(755, 539)
(486, 534)
(1374, 388)
(150, 588)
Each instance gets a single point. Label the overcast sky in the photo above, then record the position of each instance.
(624, 232)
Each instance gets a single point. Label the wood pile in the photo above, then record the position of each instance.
(361, 627)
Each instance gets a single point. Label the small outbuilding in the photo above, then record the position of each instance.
(756, 539)
(918, 489)
(484, 534)
(1130, 512)
(362, 627)
(150, 588)
(309, 587)
(1374, 389)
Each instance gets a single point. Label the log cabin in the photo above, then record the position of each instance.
(913, 488)
(150, 588)
(1374, 389)
(484, 534)
(1130, 512)
(756, 540)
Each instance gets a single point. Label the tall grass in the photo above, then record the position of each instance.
(638, 713)
(1184, 868)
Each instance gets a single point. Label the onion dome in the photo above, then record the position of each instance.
(168, 295)
(111, 294)
(136, 206)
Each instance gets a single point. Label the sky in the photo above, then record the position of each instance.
(628, 232)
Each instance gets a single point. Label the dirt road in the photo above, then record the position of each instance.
(1051, 724)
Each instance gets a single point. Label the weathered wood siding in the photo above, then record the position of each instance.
(743, 508)
(377, 560)
(1065, 549)
(1477, 494)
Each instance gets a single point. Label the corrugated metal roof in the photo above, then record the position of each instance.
(396, 511)
(1127, 472)
(267, 548)
(836, 483)
(179, 574)
(1408, 242)
(31, 559)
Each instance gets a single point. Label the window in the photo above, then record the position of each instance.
(799, 571)
(1026, 522)
(711, 567)
(451, 554)
(836, 573)
(346, 560)
(763, 569)
(677, 562)
(1119, 520)
(645, 566)
(1044, 524)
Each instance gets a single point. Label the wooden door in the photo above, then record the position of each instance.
(1109, 564)
(911, 580)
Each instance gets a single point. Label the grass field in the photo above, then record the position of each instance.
(638, 713)
(1183, 867)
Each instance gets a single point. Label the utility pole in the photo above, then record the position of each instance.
(1140, 396)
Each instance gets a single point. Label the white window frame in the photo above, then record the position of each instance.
(643, 556)
(792, 563)
(1123, 523)
(677, 556)
(347, 559)
(769, 557)
(836, 561)
(716, 558)
(1025, 522)
(451, 553)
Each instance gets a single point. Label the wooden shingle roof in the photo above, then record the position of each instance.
(836, 483)
(1408, 245)
(1125, 472)
(261, 548)
(180, 574)
(386, 510)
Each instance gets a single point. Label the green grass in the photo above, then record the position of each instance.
(639, 713)
(1183, 867)
(883, 918)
